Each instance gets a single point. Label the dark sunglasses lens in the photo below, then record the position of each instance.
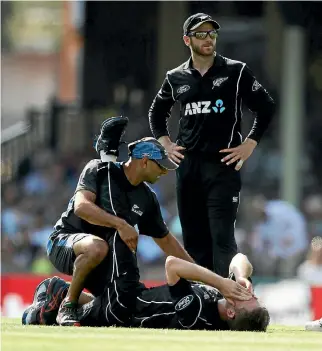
(201, 35)
(213, 35)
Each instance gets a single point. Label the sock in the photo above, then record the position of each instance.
(70, 304)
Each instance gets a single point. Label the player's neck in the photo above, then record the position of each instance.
(222, 309)
(202, 63)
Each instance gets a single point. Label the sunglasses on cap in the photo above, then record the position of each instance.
(213, 34)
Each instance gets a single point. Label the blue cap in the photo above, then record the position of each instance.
(149, 147)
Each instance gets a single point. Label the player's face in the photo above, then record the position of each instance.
(242, 305)
(154, 171)
(247, 305)
(201, 47)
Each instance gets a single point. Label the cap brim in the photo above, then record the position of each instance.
(168, 164)
(215, 24)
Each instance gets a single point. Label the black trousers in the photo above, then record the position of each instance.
(208, 199)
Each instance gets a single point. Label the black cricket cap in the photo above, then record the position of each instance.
(197, 20)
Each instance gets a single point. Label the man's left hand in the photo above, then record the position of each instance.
(246, 283)
(240, 153)
(232, 291)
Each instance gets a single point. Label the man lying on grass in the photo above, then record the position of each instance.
(193, 298)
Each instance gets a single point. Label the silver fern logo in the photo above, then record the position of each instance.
(217, 82)
(255, 86)
(183, 89)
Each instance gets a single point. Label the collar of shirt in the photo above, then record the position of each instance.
(218, 62)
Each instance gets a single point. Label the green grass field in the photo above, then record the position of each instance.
(16, 337)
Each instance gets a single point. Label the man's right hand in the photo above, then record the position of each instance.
(234, 291)
(174, 152)
(172, 149)
(129, 235)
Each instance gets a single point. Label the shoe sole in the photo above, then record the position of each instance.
(123, 121)
(314, 328)
(70, 324)
(51, 303)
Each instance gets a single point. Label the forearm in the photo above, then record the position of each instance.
(240, 266)
(177, 268)
(93, 214)
(164, 140)
(171, 247)
(177, 250)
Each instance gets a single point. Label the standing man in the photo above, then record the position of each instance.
(209, 148)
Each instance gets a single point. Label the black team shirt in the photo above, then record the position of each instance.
(138, 205)
(211, 105)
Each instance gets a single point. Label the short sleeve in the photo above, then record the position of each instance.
(188, 304)
(152, 223)
(88, 177)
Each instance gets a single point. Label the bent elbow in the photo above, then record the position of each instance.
(239, 255)
(79, 209)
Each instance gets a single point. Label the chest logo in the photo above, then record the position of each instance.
(255, 86)
(137, 210)
(183, 89)
(217, 82)
(184, 302)
(194, 108)
(219, 106)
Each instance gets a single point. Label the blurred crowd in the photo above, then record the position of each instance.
(276, 236)
(32, 204)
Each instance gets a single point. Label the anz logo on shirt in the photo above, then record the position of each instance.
(194, 108)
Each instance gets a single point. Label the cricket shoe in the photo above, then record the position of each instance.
(40, 292)
(67, 314)
(314, 325)
(32, 312)
(109, 140)
(55, 294)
